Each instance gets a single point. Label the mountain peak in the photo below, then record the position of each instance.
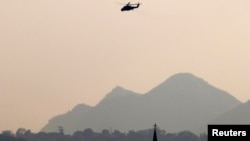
(180, 81)
(183, 74)
(118, 89)
(117, 92)
(80, 107)
(184, 77)
(182, 102)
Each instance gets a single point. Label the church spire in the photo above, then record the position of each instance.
(155, 136)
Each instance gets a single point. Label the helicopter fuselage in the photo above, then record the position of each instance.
(128, 7)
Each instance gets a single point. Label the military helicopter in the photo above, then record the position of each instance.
(129, 6)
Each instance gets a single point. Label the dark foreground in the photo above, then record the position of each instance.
(106, 135)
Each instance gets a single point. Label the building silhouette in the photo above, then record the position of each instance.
(155, 135)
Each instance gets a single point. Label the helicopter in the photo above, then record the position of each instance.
(129, 6)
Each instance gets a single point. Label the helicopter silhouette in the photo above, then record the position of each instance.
(129, 6)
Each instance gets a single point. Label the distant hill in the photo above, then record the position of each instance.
(69, 120)
(238, 115)
(182, 102)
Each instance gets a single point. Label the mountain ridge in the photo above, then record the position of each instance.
(182, 102)
(117, 92)
(76, 114)
(237, 115)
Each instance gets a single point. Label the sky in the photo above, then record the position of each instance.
(55, 54)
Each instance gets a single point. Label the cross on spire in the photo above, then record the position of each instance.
(155, 126)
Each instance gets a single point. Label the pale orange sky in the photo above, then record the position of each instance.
(55, 54)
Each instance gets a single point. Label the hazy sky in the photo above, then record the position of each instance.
(55, 54)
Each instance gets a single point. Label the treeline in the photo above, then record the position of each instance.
(106, 135)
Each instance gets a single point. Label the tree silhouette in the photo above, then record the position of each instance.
(105, 135)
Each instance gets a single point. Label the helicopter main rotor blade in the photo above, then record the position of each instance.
(135, 4)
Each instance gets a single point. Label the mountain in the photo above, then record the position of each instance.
(117, 94)
(182, 102)
(238, 115)
(186, 102)
(69, 120)
(115, 111)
